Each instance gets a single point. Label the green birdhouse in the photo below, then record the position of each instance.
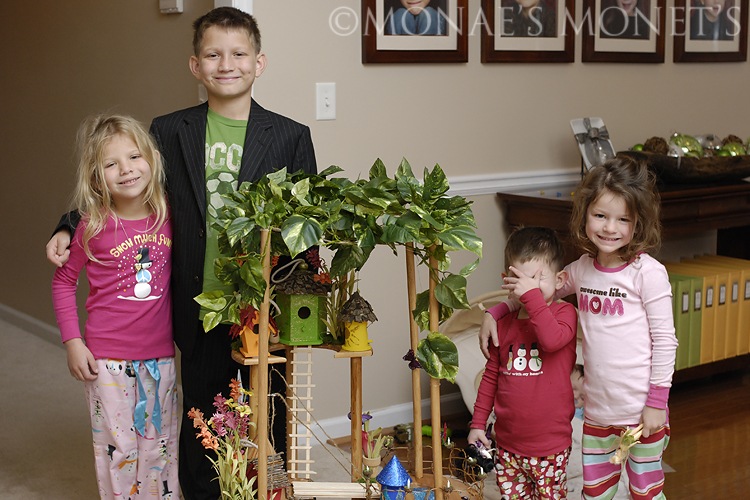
(302, 302)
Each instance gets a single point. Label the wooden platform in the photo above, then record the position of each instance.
(309, 489)
(272, 359)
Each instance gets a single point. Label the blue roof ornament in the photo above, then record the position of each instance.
(393, 475)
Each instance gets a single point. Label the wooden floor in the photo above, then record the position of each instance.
(710, 445)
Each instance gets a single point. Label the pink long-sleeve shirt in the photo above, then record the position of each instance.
(629, 342)
(129, 305)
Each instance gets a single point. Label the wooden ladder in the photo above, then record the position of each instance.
(300, 419)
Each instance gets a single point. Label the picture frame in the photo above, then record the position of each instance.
(698, 38)
(437, 33)
(612, 34)
(593, 141)
(513, 36)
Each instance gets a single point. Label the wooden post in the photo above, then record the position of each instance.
(262, 369)
(356, 409)
(437, 450)
(254, 384)
(416, 389)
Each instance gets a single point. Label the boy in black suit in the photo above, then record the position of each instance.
(208, 149)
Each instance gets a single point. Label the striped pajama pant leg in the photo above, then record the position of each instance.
(644, 466)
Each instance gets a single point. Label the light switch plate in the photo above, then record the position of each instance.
(325, 101)
(170, 6)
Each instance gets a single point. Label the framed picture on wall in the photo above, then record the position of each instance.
(710, 30)
(629, 31)
(527, 31)
(426, 31)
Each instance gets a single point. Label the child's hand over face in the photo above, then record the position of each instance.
(478, 435)
(520, 283)
(653, 419)
(81, 362)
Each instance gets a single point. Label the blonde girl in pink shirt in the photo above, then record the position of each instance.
(125, 358)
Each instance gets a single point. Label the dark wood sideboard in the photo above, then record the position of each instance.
(685, 210)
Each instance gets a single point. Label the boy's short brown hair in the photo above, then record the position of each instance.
(227, 18)
(528, 243)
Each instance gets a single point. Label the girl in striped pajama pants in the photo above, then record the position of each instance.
(625, 311)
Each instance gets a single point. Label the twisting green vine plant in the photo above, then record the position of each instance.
(349, 218)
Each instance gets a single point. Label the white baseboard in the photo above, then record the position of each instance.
(30, 324)
(336, 427)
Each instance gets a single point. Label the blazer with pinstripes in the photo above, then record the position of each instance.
(272, 142)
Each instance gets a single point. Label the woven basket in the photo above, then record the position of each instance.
(686, 170)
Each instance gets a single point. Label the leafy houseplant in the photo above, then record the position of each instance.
(348, 217)
(227, 434)
(438, 355)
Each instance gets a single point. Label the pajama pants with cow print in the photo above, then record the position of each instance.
(134, 415)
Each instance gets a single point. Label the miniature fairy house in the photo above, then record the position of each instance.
(302, 302)
(393, 480)
(355, 313)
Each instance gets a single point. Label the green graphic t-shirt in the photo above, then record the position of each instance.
(224, 142)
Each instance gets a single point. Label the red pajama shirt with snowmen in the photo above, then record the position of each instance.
(527, 381)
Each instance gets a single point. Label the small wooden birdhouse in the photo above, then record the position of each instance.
(302, 302)
(247, 329)
(355, 314)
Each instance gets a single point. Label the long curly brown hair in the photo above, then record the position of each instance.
(636, 184)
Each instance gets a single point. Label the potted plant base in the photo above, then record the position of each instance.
(371, 462)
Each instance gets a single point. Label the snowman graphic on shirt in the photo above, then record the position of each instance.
(523, 361)
(535, 363)
(520, 362)
(510, 357)
(144, 287)
(142, 274)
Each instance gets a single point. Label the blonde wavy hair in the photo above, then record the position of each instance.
(636, 184)
(92, 198)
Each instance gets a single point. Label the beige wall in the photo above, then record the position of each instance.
(65, 60)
